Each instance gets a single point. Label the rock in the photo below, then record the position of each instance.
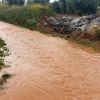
(75, 21)
(51, 21)
(97, 19)
(65, 24)
(84, 28)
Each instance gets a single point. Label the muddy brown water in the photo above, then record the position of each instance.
(48, 68)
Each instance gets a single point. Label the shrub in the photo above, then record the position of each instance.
(27, 16)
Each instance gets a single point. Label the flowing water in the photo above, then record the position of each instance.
(48, 68)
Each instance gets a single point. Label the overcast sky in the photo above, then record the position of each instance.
(51, 0)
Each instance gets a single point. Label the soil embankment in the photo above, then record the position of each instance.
(49, 68)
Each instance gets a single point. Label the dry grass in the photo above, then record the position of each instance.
(91, 30)
(95, 31)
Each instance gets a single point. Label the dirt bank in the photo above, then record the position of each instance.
(49, 68)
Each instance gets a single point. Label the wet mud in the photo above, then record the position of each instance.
(48, 68)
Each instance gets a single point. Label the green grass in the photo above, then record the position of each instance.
(6, 76)
(3, 52)
(1, 64)
(2, 43)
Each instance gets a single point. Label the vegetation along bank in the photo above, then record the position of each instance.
(4, 51)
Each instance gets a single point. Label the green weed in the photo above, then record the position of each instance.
(6, 76)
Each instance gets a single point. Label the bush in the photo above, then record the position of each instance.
(27, 16)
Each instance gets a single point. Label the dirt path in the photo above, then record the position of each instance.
(48, 68)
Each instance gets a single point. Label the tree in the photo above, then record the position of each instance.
(70, 9)
(30, 1)
(38, 1)
(4, 1)
(42, 1)
(15, 2)
(82, 6)
(63, 6)
(85, 6)
(56, 6)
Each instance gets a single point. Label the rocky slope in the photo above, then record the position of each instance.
(66, 24)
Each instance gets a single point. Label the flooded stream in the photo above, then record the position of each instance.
(48, 68)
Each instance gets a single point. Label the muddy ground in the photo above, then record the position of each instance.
(48, 68)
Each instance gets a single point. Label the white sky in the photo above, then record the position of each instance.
(51, 0)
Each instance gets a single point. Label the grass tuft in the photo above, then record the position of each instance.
(6, 76)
